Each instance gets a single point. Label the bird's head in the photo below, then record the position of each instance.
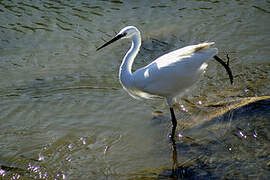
(126, 32)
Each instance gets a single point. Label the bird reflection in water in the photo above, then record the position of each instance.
(174, 159)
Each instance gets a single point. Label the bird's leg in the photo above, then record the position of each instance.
(174, 159)
(226, 66)
(174, 123)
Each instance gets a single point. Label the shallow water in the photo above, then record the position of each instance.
(63, 113)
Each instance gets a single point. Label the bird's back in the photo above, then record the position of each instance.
(174, 72)
(204, 50)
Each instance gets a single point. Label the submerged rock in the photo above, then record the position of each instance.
(232, 143)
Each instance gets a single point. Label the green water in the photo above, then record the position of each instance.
(63, 113)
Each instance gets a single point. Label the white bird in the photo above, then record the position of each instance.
(167, 76)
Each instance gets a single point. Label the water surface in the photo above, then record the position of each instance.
(63, 113)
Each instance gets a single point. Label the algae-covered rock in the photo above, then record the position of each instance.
(233, 144)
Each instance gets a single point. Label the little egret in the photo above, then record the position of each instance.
(169, 75)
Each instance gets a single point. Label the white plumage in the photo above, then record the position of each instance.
(172, 73)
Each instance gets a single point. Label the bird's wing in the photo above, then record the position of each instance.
(174, 71)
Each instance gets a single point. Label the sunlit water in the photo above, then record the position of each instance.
(64, 115)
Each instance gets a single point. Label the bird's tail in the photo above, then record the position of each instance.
(205, 51)
(203, 46)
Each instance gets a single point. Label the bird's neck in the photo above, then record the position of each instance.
(125, 72)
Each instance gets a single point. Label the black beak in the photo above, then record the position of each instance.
(226, 66)
(117, 37)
